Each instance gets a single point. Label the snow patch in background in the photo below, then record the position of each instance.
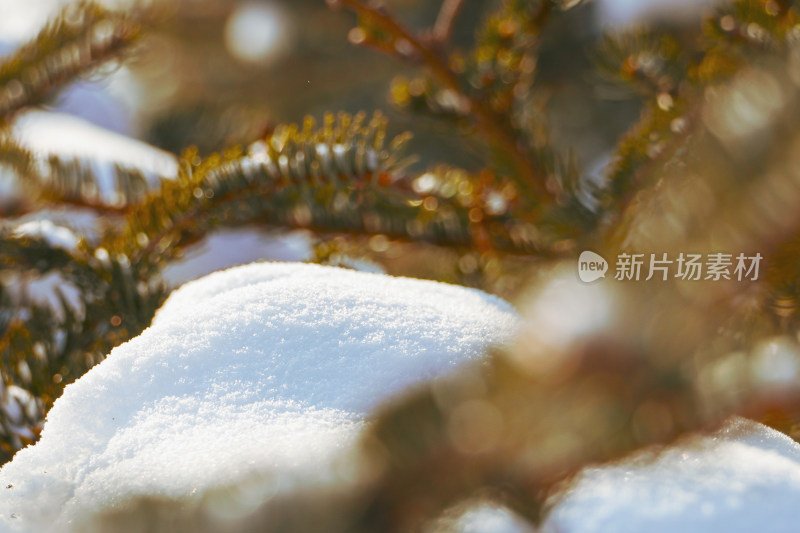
(490, 518)
(56, 236)
(111, 103)
(67, 136)
(78, 221)
(618, 13)
(22, 21)
(746, 478)
(270, 368)
(232, 247)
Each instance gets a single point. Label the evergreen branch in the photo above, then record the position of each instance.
(342, 151)
(75, 181)
(551, 429)
(671, 73)
(15, 161)
(13, 156)
(723, 177)
(488, 123)
(649, 61)
(659, 136)
(82, 37)
(340, 179)
(21, 252)
(78, 181)
(44, 348)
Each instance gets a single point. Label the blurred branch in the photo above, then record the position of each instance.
(490, 124)
(82, 37)
(443, 27)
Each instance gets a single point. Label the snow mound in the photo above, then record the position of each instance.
(745, 478)
(265, 368)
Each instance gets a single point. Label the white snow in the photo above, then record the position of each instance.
(44, 290)
(21, 21)
(110, 101)
(11, 190)
(270, 367)
(79, 221)
(57, 236)
(746, 478)
(489, 518)
(626, 12)
(237, 246)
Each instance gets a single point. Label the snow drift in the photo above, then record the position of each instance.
(264, 368)
(743, 479)
(272, 369)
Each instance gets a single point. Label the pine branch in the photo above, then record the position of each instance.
(13, 156)
(61, 180)
(671, 72)
(74, 181)
(43, 349)
(342, 178)
(82, 37)
(407, 46)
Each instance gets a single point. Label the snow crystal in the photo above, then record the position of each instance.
(270, 368)
(745, 478)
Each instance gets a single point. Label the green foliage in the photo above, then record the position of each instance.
(44, 348)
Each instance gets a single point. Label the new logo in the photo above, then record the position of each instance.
(591, 267)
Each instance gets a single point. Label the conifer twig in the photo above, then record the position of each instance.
(182, 225)
(487, 121)
(62, 51)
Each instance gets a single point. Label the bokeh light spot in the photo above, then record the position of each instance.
(257, 32)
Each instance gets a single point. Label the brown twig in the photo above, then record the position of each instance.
(98, 206)
(488, 122)
(443, 28)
